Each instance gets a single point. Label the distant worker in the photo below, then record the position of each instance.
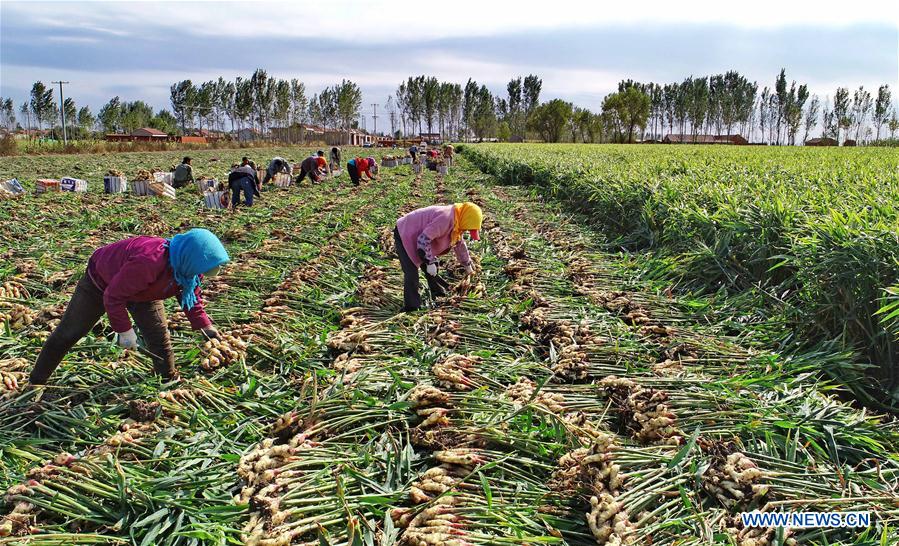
(423, 235)
(134, 276)
(449, 153)
(315, 166)
(246, 162)
(413, 151)
(243, 179)
(277, 165)
(358, 166)
(334, 165)
(184, 174)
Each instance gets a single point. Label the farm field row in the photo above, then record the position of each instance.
(550, 399)
(806, 236)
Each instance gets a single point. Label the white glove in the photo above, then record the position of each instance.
(431, 269)
(127, 340)
(469, 269)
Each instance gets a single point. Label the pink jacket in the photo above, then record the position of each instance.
(137, 270)
(436, 224)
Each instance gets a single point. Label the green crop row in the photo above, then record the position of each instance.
(814, 231)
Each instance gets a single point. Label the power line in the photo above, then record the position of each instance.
(62, 109)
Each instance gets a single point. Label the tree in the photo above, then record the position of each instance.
(830, 126)
(182, 95)
(881, 108)
(42, 105)
(811, 116)
(793, 110)
(780, 92)
(25, 111)
(430, 89)
(298, 104)
(551, 118)
(629, 109)
(503, 131)
(698, 105)
(8, 110)
(110, 116)
(164, 121)
(71, 111)
(841, 114)
(861, 107)
(893, 124)
(763, 111)
(348, 99)
(243, 100)
(86, 119)
(262, 95)
(484, 115)
(135, 115)
(281, 110)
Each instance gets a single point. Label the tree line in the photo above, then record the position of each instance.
(719, 104)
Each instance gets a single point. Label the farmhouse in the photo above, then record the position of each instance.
(704, 139)
(144, 134)
(821, 141)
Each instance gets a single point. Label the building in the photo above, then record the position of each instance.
(821, 141)
(705, 139)
(248, 134)
(430, 138)
(144, 134)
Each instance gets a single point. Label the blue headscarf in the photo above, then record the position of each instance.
(191, 254)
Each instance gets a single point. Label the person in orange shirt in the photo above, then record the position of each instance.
(315, 166)
(358, 166)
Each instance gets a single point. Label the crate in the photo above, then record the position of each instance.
(12, 186)
(416, 168)
(45, 185)
(282, 180)
(72, 184)
(442, 169)
(161, 189)
(206, 184)
(165, 178)
(215, 199)
(115, 184)
(140, 187)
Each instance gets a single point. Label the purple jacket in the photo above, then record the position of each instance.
(137, 270)
(432, 225)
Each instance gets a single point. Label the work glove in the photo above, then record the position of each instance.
(127, 340)
(469, 269)
(210, 332)
(431, 270)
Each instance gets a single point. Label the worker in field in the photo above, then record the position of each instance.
(358, 166)
(184, 174)
(449, 153)
(134, 276)
(276, 166)
(423, 235)
(314, 166)
(413, 151)
(243, 179)
(334, 165)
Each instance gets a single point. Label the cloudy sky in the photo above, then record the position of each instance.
(136, 50)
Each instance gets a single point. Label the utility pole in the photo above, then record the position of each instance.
(62, 110)
(375, 117)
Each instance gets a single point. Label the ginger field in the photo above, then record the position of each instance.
(559, 396)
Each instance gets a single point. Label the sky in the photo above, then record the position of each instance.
(136, 50)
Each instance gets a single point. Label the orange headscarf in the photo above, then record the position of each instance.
(468, 217)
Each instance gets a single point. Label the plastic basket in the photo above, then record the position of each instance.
(282, 180)
(12, 186)
(161, 189)
(45, 185)
(72, 184)
(140, 187)
(416, 168)
(215, 199)
(442, 169)
(165, 178)
(115, 184)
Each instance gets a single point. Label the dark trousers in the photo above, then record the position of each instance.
(411, 297)
(246, 186)
(84, 311)
(313, 175)
(354, 173)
